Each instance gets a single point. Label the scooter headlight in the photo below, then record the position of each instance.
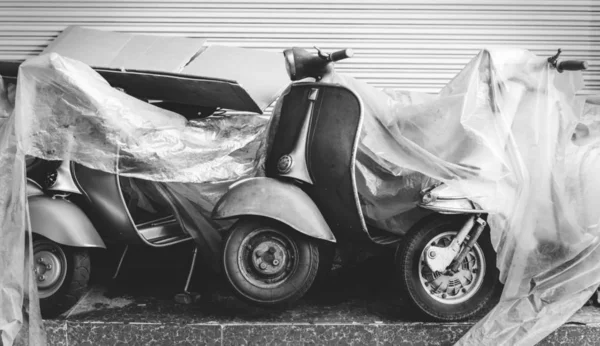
(290, 63)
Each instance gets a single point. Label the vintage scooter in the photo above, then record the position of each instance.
(74, 209)
(309, 198)
(446, 258)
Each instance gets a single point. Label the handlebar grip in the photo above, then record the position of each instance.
(572, 65)
(341, 54)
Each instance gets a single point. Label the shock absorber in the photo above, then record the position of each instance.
(472, 240)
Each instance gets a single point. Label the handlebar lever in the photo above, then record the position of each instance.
(322, 55)
(552, 60)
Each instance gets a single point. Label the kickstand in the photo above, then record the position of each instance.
(120, 262)
(188, 297)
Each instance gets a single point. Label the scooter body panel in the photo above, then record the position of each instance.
(62, 222)
(334, 117)
(107, 209)
(275, 199)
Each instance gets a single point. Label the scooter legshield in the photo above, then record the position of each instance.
(276, 200)
(62, 222)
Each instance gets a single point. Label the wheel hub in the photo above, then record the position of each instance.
(269, 257)
(49, 267)
(446, 286)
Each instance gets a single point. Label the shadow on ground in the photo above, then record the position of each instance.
(150, 278)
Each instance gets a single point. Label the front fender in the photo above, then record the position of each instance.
(62, 222)
(277, 200)
(445, 200)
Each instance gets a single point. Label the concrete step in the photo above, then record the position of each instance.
(257, 333)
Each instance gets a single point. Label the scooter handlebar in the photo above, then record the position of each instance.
(572, 65)
(341, 54)
(302, 64)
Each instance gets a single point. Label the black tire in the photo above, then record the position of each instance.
(326, 258)
(75, 275)
(275, 285)
(408, 261)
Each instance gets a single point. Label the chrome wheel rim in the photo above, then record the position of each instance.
(452, 288)
(49, 267)
(267, 257)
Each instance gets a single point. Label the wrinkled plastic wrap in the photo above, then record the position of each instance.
(20, 321)
(500, 132)
(80, 116)
(66, 111)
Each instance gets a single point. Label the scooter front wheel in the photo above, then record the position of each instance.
(268, 263)
(447, 296)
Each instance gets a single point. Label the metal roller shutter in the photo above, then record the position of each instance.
(417, 45)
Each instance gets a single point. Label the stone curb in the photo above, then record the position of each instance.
(118, 333)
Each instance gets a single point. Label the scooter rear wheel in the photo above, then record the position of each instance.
(447, 296)
(269, 264)
(62, 274)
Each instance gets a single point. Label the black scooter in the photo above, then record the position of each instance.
(308, 200)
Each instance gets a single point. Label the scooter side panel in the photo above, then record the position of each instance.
(331, 155)
(62, 222)
(293, 114)
(277, 200)
(107, 210)
(330, 145)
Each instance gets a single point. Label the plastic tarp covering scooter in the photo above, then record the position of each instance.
(500, 133)
(64, 110)
(20, 321)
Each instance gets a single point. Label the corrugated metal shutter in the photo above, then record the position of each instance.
(405, 44)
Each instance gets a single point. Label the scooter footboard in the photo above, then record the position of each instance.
(277, 200)
(62, 222)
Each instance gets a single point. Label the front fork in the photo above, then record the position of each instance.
(442, 259)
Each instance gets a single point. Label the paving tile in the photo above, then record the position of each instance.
(100, 334)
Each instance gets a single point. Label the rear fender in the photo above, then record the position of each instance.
(62, 222)
(276, 200)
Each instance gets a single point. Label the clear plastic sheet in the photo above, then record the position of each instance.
(20, 322)
(79, 115)
(500, 132)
